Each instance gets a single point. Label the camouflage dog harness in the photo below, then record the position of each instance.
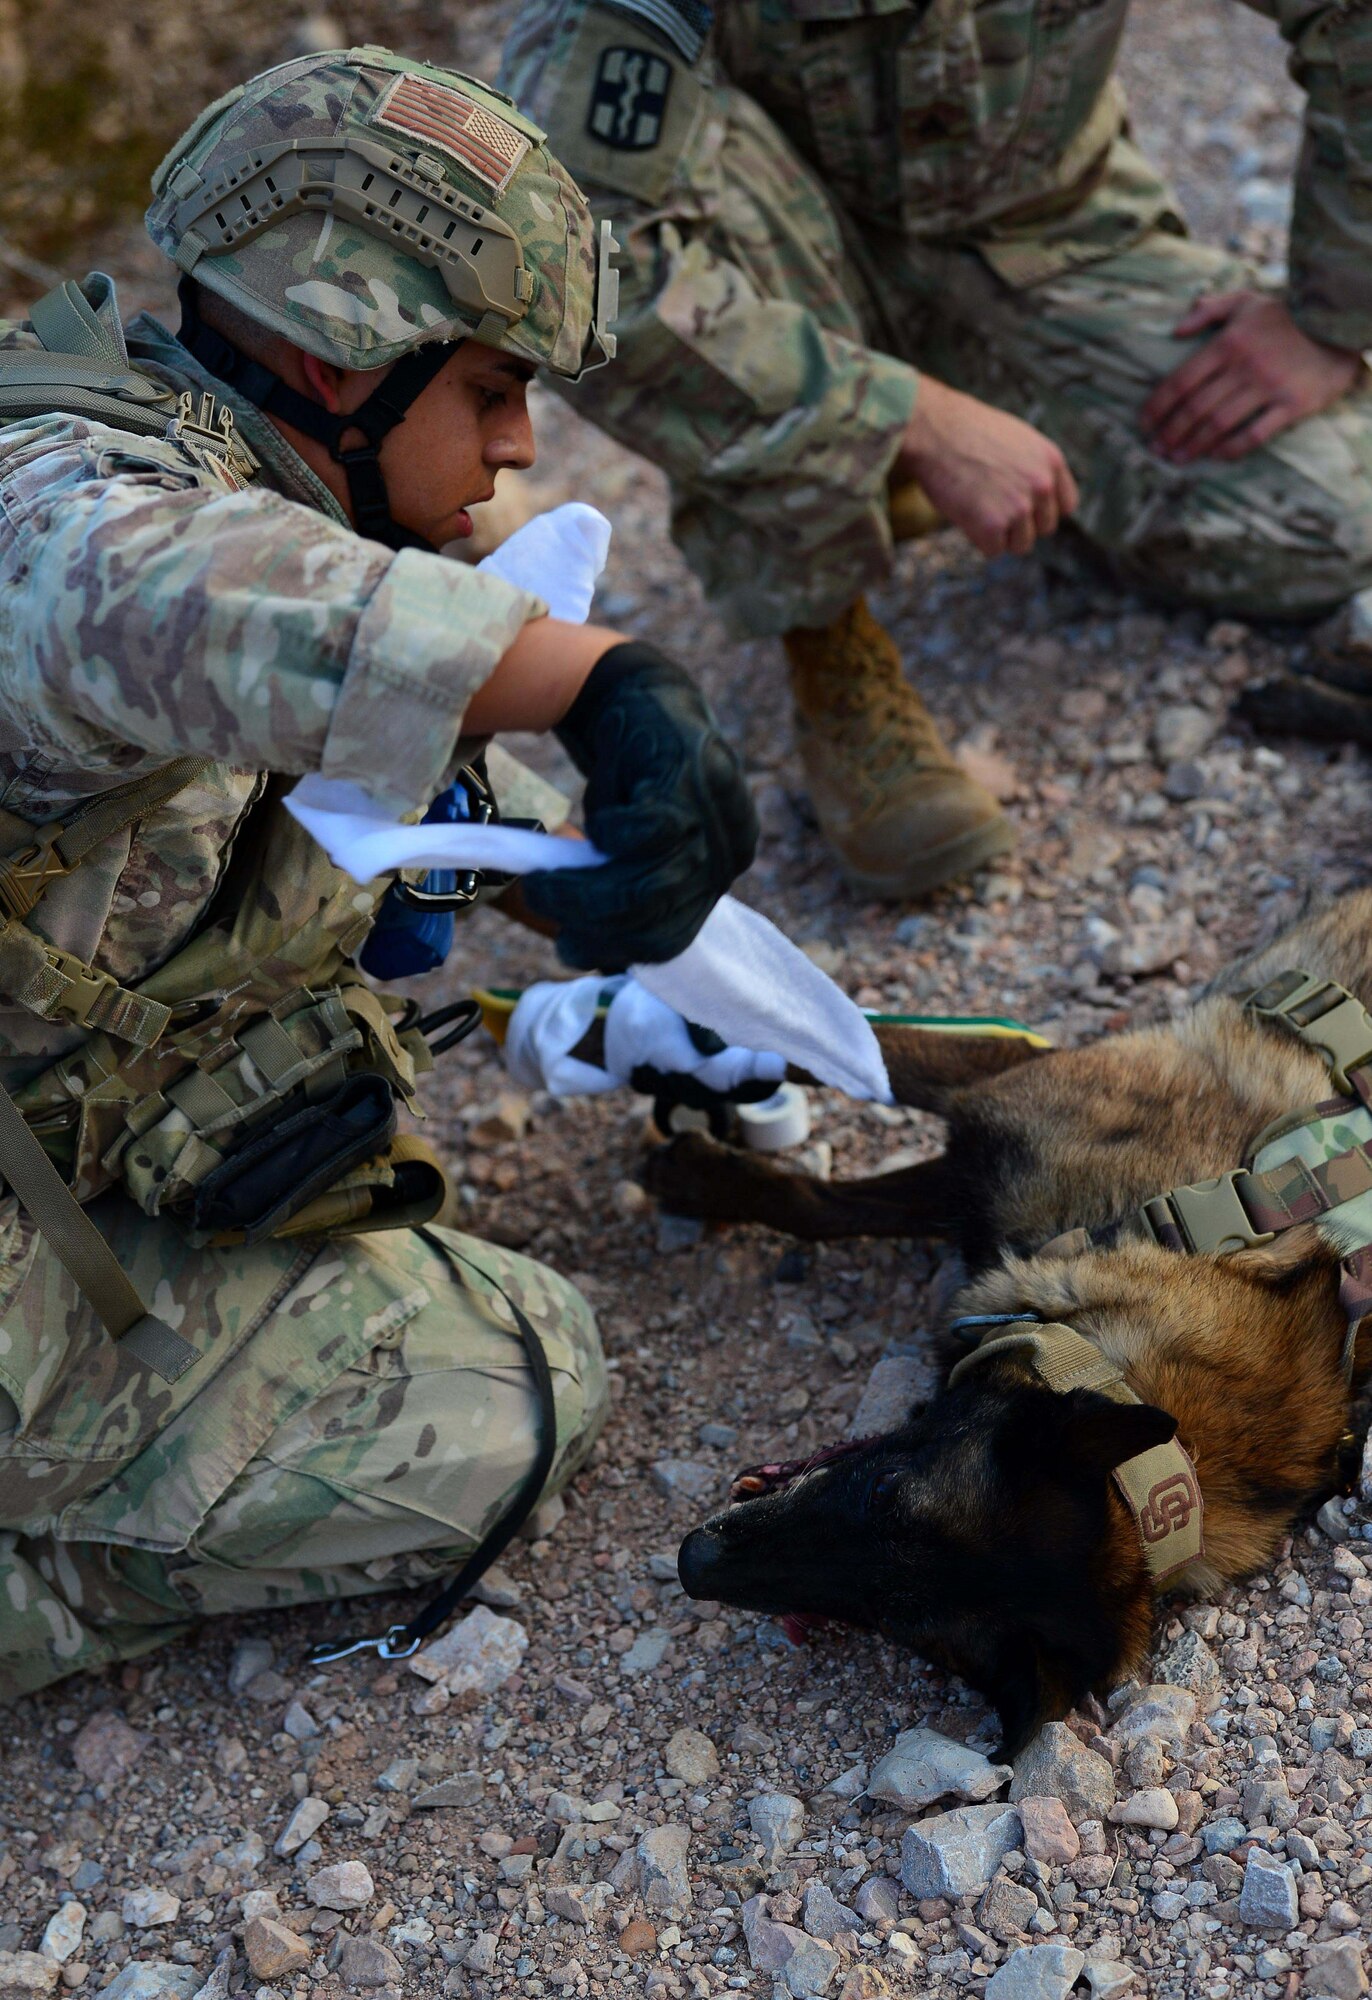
(1313, 1163)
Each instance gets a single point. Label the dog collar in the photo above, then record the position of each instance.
(1159, 1486)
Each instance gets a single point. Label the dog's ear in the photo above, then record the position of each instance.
(1295, 1254)
(1099, 1434)
(928, 1067)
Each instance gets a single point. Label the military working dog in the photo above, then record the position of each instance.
(987, 1531)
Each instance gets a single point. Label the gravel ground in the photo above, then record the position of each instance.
(600, 1820)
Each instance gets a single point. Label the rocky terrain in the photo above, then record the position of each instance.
(596, 1787)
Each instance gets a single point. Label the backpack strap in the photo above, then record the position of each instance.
(82, 369)
(67, 323)
(33, 973)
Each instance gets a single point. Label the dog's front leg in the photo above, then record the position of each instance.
(695, 1176)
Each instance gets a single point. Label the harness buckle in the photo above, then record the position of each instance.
(1325, 1015)
(24, 877)
(1208, 1215)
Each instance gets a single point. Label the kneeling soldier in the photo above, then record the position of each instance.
(249, 1372)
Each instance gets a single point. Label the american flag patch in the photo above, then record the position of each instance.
(436, 115)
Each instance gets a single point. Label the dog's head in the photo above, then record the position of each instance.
(987, 1531)
(983, 1533)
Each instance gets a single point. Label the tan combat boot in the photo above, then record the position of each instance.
(901, 815)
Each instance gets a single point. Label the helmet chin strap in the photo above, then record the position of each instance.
(383, 410)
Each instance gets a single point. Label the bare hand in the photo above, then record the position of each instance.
(1255, 377)
(998, 479)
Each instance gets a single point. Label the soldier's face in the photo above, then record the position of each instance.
(470, 423)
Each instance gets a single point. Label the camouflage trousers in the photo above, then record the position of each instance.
(363, 1415)
(768, 358)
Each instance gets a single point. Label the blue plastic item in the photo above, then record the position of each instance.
(405, 941)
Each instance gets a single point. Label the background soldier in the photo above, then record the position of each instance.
(880, 241)
(378, 256)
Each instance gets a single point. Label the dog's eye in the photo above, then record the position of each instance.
(884, 1488)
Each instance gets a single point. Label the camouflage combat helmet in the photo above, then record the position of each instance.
(361, 205)
(374, 211)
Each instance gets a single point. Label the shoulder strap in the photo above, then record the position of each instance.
(83, 1251)
(67, 323)
(37, 975)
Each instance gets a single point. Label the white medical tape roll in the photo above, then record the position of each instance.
(779, 1121)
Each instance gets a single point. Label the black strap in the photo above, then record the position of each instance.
(386, 407)
(400, 1641)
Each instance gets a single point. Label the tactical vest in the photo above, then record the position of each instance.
(249, 1087)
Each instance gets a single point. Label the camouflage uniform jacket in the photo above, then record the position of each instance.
(150, 609)
(989, 121)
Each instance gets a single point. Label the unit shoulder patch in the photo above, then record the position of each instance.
(628, 105)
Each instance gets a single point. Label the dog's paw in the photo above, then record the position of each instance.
(685, 1175)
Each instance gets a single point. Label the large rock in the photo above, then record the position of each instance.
(691, 1756)
(1158, 1714)
(956, 1853)
(147, 1908)
(1181, 729)
(685, 1479)
(1108, 1978)
(895, 1385)
(303, 1824)
(151, 1979)
(1189, 1663)
(1037, 1972)
(824, 1916)
(26, 1973)
(778, 1821)
(922, 1767)
(251, 1657)
(1155, 1806)
(664, 1880)
(878, 1899)
(1049, 1834)
(806, 1965)
(364, 1962)
(1007, 1908)
(344, 1885)
(62, 1937)
(462, 1788)
(1056, 1765)
(1267, 1900)
(1335, 1970)
(475, 1657)
(106, 1748)
(274, 1950)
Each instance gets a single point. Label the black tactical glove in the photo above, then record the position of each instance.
(666, 800)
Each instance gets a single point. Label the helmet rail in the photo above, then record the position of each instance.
(477, 255)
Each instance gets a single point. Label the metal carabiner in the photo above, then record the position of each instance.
(385, 1647)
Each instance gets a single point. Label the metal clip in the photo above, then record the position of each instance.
(385, 1647)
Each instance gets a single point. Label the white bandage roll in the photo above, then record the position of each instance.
(779, 1121)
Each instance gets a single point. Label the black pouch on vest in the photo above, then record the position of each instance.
(268, 1179)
